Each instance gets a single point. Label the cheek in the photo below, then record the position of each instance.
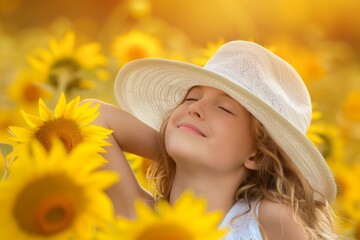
(177, 145)
(179, 111)
(173, 120)
(236, 143)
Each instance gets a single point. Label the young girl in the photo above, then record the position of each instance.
(233, 132)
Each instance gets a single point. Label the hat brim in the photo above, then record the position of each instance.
(150, 88)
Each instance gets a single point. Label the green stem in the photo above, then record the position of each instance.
(6, 169)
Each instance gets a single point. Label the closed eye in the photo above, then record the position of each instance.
(190, 99)
(226, 110)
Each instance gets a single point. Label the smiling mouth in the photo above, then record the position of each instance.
(192, 129)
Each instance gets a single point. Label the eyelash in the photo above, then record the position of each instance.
(222, 108)
(226, 110)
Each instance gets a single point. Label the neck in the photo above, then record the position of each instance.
(218, 190)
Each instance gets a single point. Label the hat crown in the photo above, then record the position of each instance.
(265, 75)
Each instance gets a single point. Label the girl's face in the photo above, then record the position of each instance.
(209, 130)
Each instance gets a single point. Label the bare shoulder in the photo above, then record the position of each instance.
(278, 222)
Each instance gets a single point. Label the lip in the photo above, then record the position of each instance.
(191, 128)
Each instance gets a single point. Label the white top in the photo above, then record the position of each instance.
(241, 222)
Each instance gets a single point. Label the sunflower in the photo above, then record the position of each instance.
(135, 45)
(208, 52)
(308, 62)
(316, 128)
(139, 8)
(140, 166)
(66, 67)
(27, 89)
(333, 145)
(348, 200)
(55, 195)
(70, 122)
(8, 117)
(351, 108)
(185, 220)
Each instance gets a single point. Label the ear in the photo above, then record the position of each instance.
(252, 163)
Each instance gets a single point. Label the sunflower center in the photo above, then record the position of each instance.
(326, 148)
(165, 232)
(48, 205)
(32, 93)
(54, 213)
(136, 52)
(64, 67)
(343, 185)
(65, 129)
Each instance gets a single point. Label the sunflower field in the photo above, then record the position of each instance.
(53, 54)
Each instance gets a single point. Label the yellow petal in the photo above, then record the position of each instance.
(58, 150)
(45, 55)
(84, 113)
(38, 151)
(71, 107)
(21, 134)
(61, 106)
(103, 210)
(55, 48)
(96, 130)
(91, 49)
(87, 119)
(37, 64)
(143, 211)
(68, 43)
(103, 179)
(81, 109)
(31, 120)
(44, 112)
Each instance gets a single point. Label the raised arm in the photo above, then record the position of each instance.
(130, 135)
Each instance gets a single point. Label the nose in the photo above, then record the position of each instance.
(196, 109)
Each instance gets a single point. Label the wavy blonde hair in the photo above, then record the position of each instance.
(277, 180)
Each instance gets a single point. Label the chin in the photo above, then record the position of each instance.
(180, 150)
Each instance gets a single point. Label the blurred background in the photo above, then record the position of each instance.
(77, 47)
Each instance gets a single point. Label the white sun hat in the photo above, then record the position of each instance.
(266, 85)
